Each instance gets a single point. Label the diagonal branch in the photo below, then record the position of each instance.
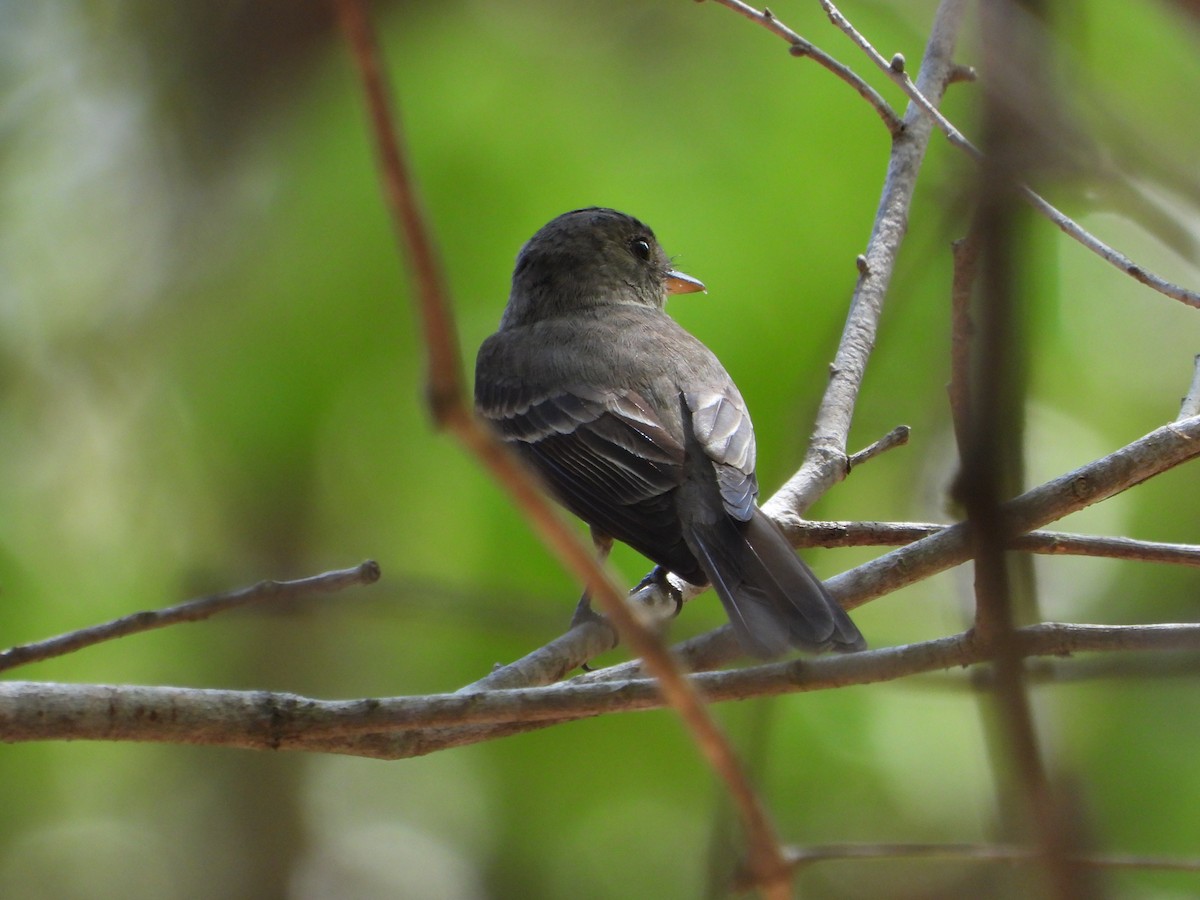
(802, 48)
(939, 549)
(189, 611)
(894, 69)
(1160, 450)
(1155, 453)
(450, 409)
(991, 448)
(825, 462)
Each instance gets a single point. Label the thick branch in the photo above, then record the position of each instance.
(31, 711)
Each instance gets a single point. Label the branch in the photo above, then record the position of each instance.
(800, 857)
(897, 437)
(189, 611)
(1160, 450)
(934, 548)
(35, 711)
(802, 48)
(895, 70)
(1155, 453)
(965, 253)
(1051, 543)
(825, 463)
(991, 448)
(451, 409)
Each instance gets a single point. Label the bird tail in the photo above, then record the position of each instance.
(773, 599)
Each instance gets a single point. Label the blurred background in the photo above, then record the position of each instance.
(210, 375)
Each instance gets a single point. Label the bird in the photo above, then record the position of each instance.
(635, 427)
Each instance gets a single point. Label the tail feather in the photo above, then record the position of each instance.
(773, 599)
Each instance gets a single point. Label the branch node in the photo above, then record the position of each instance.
(897, 437)
(897, 63)
(960, 72)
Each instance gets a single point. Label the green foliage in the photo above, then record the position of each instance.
(211, 375)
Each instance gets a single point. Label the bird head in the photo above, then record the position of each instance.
(589, 258)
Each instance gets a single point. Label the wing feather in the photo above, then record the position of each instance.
(608, 459)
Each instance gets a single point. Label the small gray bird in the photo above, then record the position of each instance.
(637, 428)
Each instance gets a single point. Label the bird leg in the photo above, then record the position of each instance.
(583, 610)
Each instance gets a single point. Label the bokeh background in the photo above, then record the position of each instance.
(210, 375)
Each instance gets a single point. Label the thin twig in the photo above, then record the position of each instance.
(1062, 221)
(450, 409)
(553, 661)
(897, 437)
(189, 611)
(1050, 543)
(803, 48)
(982, 853)
(415, 240)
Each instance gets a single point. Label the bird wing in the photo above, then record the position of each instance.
(607, 457)
(722, 427)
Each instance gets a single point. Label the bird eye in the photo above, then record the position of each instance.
(640, 248)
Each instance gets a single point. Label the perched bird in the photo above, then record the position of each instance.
(637, 428)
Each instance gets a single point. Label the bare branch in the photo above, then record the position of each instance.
(825, 462)
(552, 662)
(1160, 450)
(897, 437)
(801, 857)
(991, 447)
(801, 47)
(189, 611)
(413, 236)
(1051, 543)
(451, 409)
(1063, 222)
(35, 711)
(935, 548)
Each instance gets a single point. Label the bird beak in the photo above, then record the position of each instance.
(678, 283)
